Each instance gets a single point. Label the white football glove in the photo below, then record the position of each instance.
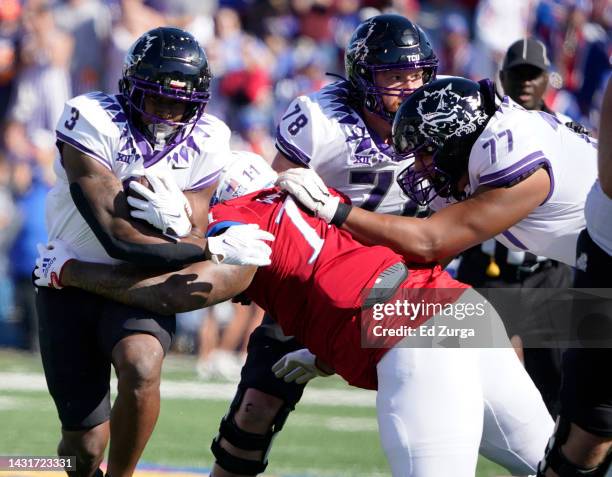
(308, 188)
(298, 367)
(50, 262)
(166, 208)
(241, 245)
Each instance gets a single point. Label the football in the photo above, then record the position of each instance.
(141, 180)
(131, 193)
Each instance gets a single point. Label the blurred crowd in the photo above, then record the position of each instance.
(263, 53)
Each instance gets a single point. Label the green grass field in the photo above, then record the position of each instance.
(332, 433)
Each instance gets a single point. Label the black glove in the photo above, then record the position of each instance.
(578, 128)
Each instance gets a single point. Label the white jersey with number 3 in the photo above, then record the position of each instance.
(514, 144)
(97, 125)
(325, 132)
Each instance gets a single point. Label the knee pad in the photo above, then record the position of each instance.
(556, 460)
(245, 440)
(264, 349)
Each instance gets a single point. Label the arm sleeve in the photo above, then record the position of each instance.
(165, 255)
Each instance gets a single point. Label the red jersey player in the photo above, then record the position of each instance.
(314, 286)
(434, 405)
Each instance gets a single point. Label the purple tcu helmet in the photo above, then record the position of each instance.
(443, 119)
(167, 62)
(386, 42)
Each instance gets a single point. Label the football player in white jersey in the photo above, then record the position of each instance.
(494, 170)
(343, 132)
(524, 76)
(156, 124)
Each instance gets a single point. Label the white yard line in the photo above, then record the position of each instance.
(335, 423)
(205, 391)
(7, 403)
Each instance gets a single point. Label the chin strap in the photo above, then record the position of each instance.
(160, 134)
(490, 99)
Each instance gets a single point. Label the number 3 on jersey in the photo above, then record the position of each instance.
(70, 123)
(309, 234)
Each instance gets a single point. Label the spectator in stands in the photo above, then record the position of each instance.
(271, 17)
(576, 33)
(226, 49)
(244, 65)
(89, 23)
(43, 84)
(498, 24)
(305, 74)
(254, 127)
(31, 185)
(316, 19)
(41, 88)
(583, 54)
(10, 223)
(193, 16)
(135, 18)
(431, 16)
(458, 57)
(9, 24)
(550, 15)
(347, 19)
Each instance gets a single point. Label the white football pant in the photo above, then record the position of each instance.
(438, 407)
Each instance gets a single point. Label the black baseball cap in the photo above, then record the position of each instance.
(527, 51)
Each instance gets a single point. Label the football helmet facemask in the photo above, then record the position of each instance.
(442, 119)
(165, 63)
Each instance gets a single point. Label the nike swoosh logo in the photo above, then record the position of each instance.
(178, 166)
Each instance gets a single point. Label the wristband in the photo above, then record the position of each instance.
(342, 213)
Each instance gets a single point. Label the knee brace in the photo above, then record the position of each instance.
(264, 350)
(244, 440)
(556, 460)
